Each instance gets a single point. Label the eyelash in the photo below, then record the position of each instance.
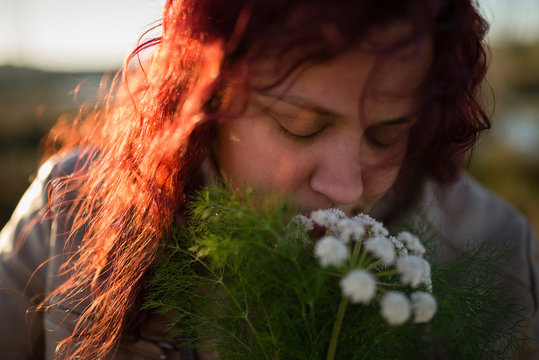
(299, 138)
(378, 144)
(291, 135)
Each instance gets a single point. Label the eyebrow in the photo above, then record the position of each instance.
(304, 103)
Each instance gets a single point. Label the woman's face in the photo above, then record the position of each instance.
(311, 138)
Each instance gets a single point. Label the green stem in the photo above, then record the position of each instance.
(337, 328)
(355, 253)
(361, 262)
(373, 265)
(386, 273)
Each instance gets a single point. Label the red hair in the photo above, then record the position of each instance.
(145, 144)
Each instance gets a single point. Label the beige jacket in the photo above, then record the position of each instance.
(460, 212)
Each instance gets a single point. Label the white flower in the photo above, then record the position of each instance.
(359, 286)
(428, 285)
(303, 221)
(382, 248)
(411, 268)
(327, 218)
(331, 252)
(412, 243)
(370, 224)
(426, 276)
(301, 225)
(395, 307)
(424, 306)
(338, 212)
(349, 229)
(399, 246)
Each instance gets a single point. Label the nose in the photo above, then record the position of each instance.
(338, 175)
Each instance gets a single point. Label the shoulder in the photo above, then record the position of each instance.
(34, 204)
(27, 241)
(33, 231)
(465, 211)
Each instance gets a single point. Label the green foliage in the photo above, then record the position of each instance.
(478, 317)
(238, 280)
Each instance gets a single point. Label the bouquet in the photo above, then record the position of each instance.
(249, 278)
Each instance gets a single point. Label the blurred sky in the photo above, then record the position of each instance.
(73, 35)
(79, 35)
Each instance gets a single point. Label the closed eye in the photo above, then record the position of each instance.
(296, 120)
(387, 134)
(377, 143)
(296, 128)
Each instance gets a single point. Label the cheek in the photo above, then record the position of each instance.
(380, 174)
(237, 156)
(377, 181)
(249, 152)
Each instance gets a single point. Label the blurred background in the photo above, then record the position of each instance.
(49, 47)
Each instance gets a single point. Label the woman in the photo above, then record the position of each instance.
(363, 105)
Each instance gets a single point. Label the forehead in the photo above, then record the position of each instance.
(385, 82)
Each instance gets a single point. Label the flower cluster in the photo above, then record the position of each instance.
(375, 265)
